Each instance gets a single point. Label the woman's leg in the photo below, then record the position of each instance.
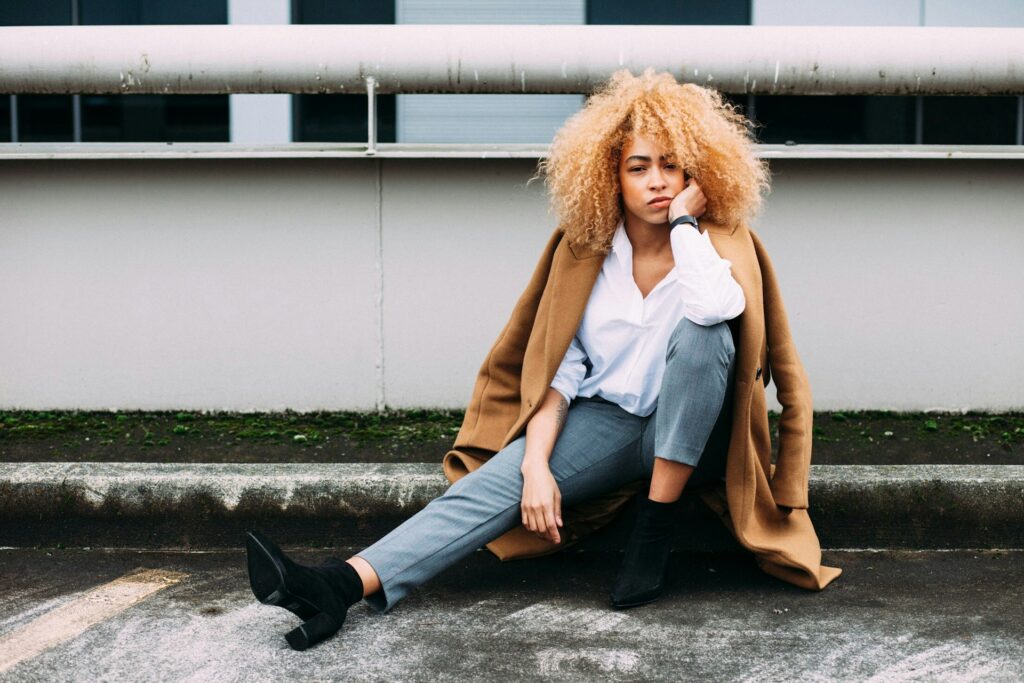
(597, 451)
(686, 438)
(682, 437)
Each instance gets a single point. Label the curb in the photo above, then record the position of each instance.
(352, 504)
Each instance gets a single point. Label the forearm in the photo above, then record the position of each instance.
(543, 429)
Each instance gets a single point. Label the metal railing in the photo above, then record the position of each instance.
(442, 58)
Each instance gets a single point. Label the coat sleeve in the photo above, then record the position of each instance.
(789, 484)
(496, 398)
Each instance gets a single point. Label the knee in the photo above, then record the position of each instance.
(702, 343)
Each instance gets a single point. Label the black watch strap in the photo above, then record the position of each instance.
(685, 218)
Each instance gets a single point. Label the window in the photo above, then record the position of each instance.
(836, 119)
(692, 12)
(969, 120)
(116, 118)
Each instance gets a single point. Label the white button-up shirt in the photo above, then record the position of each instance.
(623, 337)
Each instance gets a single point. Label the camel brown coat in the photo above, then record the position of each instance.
(763, 505)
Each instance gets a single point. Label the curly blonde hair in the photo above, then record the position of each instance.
(712, 141)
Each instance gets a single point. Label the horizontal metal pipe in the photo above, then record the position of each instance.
(484, 58)
(17, 151)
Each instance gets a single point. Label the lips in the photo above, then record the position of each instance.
(661, 202)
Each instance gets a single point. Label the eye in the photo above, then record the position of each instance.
(671, 166)
(637, 168)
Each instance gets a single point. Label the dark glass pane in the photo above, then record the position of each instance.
(969, 120)
(342, 12)
(341, 118)
(5, 117)
(155, 118)
(45, 118)
(834, 119)
(198, 118)
(697, 12)
(134, 12)
(35, 12)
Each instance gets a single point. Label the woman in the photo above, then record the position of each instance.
(644, 389)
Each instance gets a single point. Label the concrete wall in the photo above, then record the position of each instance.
(266, 284)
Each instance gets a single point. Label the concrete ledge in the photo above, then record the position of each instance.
(353, 504)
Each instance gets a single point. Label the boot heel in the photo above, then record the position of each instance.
(320, 627)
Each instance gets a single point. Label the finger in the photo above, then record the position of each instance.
(542, 527)
(549, 518)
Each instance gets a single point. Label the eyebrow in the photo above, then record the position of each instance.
(641, 158)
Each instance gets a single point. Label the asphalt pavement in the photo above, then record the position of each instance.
(148, 615)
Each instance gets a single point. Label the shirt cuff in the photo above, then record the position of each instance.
(693, 248)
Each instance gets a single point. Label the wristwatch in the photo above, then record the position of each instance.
(685, 218)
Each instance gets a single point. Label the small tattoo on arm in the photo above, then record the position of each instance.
(563, 410)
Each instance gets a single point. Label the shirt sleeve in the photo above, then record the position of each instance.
(571, 372)
(710, 292)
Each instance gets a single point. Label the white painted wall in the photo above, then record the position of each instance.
(255, 284)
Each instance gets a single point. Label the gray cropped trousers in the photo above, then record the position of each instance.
(601, 447)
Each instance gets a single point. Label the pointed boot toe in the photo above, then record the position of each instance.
(320, 596)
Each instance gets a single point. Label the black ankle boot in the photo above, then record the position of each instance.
(320, 596)
(642, 574)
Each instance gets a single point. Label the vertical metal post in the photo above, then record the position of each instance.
(371, 115)
(371, 148)
(76, 99)
(14, 118)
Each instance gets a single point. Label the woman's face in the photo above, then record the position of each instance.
(644, 174)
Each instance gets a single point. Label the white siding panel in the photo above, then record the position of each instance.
(490, 12)
(835, 13)
(1006, 13)
(487, 117)
(483, 118)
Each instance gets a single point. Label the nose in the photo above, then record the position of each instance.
(657, 179)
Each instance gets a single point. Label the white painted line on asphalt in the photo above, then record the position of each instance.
(67, 621)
